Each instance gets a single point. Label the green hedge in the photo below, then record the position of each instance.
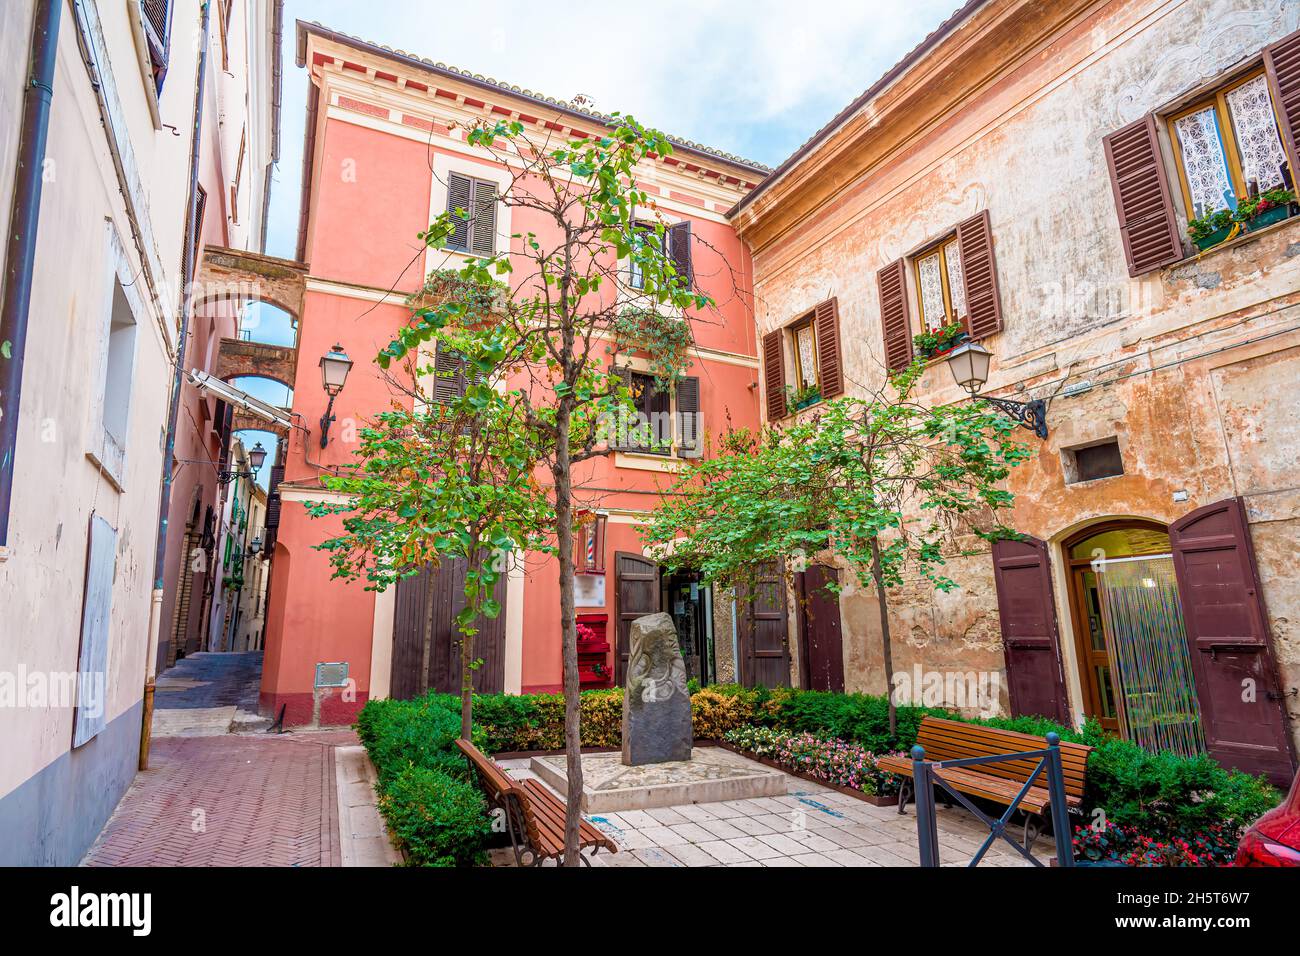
(431, 806)
(1161, 795)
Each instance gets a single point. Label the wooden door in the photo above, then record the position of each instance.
(1030, 637)
(823, 642)
(636, 586)
(764, 649)
(426, 641)
(1237, 683)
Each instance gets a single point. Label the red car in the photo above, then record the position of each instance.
(1274, 839)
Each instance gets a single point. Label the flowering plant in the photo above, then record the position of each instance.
(1128, 845)
(1249, 208)
(585, 633)
(835, 761)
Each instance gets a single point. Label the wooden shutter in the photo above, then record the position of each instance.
(830, 371)
(618, 440)
(690, 425)
(679, 250)
(157, 17)
(449, 375)
(762, 636)
(980, 274)
(1228, 636)
(636, 591)
(460, 195)
(774, 374)
(1282, 63)
(1030, 639)
(485, 218)
(895, 320)
(1146, 212)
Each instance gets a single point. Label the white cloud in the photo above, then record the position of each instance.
(754, 78)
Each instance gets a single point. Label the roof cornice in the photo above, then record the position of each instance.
(970, 50)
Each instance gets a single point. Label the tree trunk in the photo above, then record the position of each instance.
(467, 682)
(426, 643)
(560, 472)
(883, 597)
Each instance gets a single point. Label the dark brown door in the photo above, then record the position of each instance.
(636, 583)
(426, 640)
(1227, 630)
(823, 642)
(764, 649)
(1029, 633)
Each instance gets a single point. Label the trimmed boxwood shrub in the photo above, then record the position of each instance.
(440, 820)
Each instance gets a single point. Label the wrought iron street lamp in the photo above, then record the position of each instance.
(969, 364)
(334, 368)
(256, 458)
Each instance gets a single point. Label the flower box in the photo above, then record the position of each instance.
(1268, 217)
(806, 402)
(1212, 239)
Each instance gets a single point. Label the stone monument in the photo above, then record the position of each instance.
(656, 704)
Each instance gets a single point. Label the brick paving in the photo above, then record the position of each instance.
(229, 801)
(212, 798)
(811, 825)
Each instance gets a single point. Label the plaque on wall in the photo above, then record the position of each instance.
(589, 590)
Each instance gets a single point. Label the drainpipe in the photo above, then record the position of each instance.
(178, 376)
(20, 256)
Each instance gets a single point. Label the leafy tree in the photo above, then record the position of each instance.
(565, 320)
(447, 473)
(884, 484)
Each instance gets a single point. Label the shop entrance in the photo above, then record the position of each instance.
(1135, 666)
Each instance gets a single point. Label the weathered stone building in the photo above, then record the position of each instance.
(1029, 172)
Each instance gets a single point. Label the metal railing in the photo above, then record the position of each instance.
(926, 773)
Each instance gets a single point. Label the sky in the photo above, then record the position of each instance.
(755, 78)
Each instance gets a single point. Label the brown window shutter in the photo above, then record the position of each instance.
(1027, 614)
(895, 319)
(980, 272)
(157, 27)
(774, 374)
(485, 218)
(679, 250)
(1228, 635)
(1282, 63)
(618, 440)
(690, 426)
(460, 195)
(449, 375)
(830, 370)
(1146, 212)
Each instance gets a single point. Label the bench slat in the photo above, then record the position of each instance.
(1000, 782)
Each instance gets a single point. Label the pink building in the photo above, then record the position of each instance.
(384, 137)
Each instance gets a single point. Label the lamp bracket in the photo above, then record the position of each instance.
(1031, 415)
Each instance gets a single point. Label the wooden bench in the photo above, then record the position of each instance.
(998, 782)
(534, 815)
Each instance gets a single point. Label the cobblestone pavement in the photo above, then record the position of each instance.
(214, 798)
(811, 825)
(205, 694)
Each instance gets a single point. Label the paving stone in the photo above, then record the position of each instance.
(693, 832)
(690, 855)
(813, 840)
(722, 829)
(655, 856)
(783, 844)
(696, 812)
(750, 825)
(724, 851)
(668, 816)
(787, 861)
(756, 848)
(662, 836)
(843, 837)
(815, 859)
(637, 819)
(848, 858)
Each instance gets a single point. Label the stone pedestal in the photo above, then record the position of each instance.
(656, 705)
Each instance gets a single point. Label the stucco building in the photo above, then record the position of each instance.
(385, 144)
(88, 366)
(1028, 173)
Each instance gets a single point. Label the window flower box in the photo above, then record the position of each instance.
(937, 343)
(801, 398)
(1268, 217)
